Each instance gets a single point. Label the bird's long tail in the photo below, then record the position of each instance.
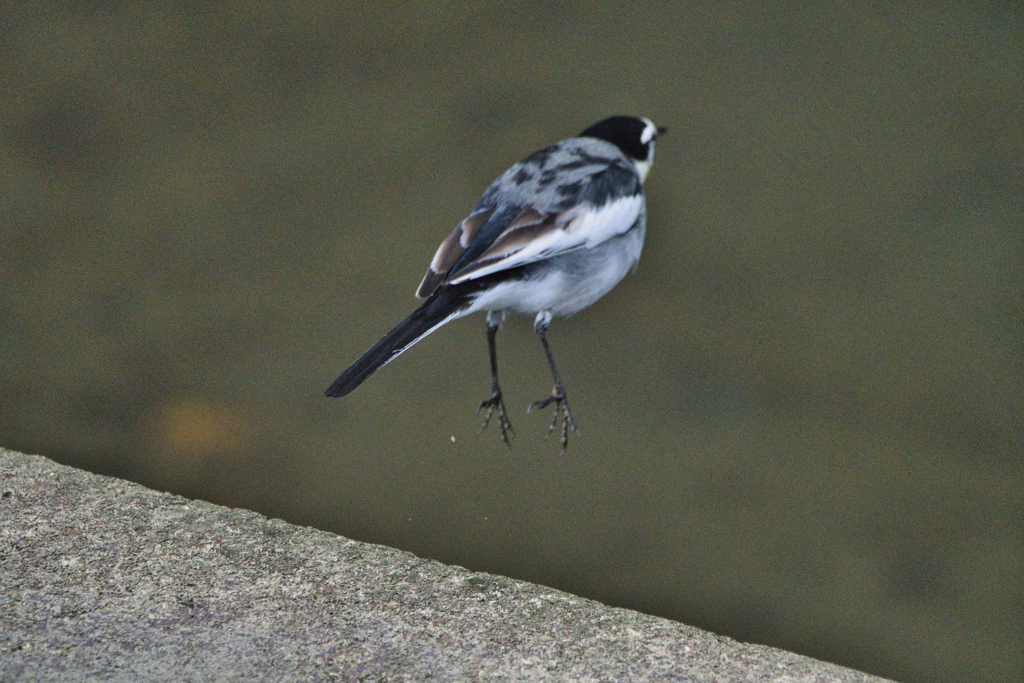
(444, 305)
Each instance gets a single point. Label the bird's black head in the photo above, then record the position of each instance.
(634, 135)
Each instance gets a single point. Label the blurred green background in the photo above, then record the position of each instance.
(803, 417)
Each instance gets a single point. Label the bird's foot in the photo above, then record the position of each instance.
(561, 414)
(497, 404)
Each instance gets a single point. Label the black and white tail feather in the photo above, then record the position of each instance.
(552, 235)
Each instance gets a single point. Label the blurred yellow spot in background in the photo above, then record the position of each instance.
(199, 430)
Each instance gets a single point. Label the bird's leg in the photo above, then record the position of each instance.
(496, 402)
(557, 397)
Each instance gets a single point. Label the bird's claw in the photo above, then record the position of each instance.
(561, 414)
(497, 403)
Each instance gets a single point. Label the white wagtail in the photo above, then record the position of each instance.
(549, 237)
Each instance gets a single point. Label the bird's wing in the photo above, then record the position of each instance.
(452, 249)
(602, 201)
(534, 236)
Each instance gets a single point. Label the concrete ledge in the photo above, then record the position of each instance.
(102, 579)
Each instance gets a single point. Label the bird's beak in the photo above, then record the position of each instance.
(661, 129)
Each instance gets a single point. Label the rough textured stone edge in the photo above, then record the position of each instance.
(104, 579)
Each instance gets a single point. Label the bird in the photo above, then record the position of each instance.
(552, 235)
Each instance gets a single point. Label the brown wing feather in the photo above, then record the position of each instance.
(451, 250)
(528, 226)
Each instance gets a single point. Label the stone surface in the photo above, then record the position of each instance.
(102, 579)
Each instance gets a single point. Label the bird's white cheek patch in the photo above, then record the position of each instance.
(650, 130)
